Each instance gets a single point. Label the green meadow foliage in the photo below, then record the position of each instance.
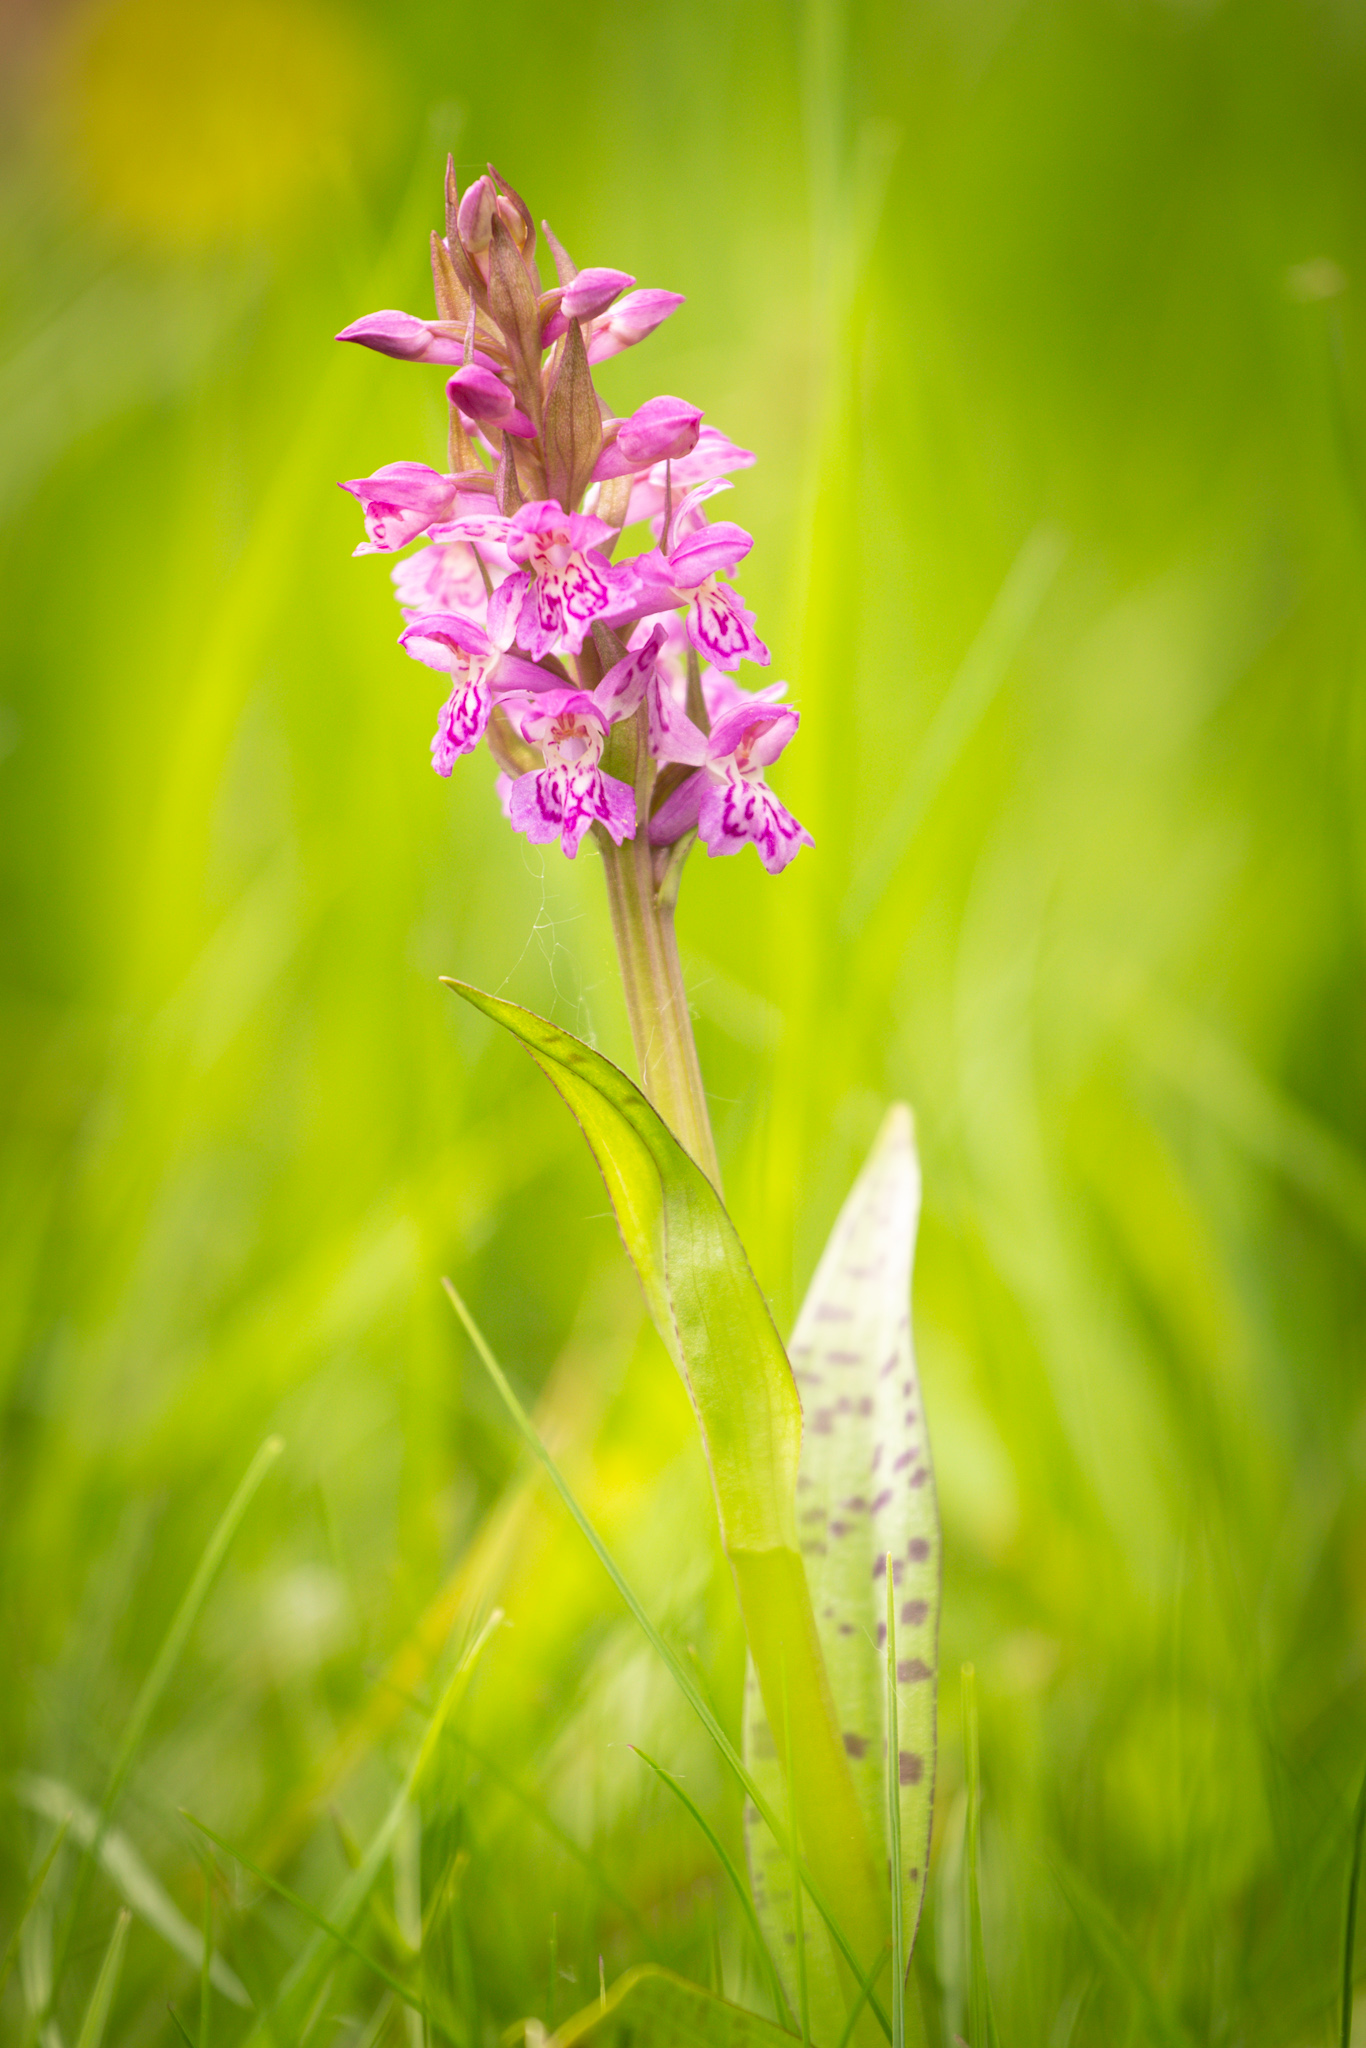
(1043, 318)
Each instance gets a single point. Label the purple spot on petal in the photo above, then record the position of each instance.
(904, 1460)
(919, 1478)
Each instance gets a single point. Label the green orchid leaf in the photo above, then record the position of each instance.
(651, 2004)
(716, 1325)
(865, 1489)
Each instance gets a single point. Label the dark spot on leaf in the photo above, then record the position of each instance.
(919, 1478)
(813, 1549)
(910, 1670)
(910, 1767)
(882, 1499)
(839, 1528)
(913, 1612)
(865, 1406)
(832, 1312)
(823, 1421)
(856, 1745)
(890, 1366)
(881, 1634)
(917, 1550)
(903, 1461)
(844, 1358)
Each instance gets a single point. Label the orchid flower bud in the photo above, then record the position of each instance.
(661, 430)
(592, 292)
(403, 336)
(482, 396)
(475, 218)
(629, 321)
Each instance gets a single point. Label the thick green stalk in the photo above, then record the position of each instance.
(642, 909)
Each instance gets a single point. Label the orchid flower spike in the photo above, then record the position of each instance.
(562, 644)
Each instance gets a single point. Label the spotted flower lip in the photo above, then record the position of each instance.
(571, 792)
(562, 582)
(481, 672)
(727, 800)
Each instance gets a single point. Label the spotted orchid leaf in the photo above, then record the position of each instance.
(716, 1325)
(865, 1489)
(652, 2004)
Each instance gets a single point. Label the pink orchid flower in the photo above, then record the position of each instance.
(561, 800)
(728, 799)
(562, 581)
(460, 646)
(400, 501)
(446, 577)
(689, 571)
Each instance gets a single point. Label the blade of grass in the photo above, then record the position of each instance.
(206, 1967)
(738, 1885)
(552, 1827)
(1349, 1932)
(1112, 1947)
(335, 1934)
(981, 2019)
(857, 2007)
(795, 1866)
(106, 1984)
(11, 1954)
(180, 2026)
(128, 1873)
(674, 1664)
(182, 1622)
(984, 668)
(158, 1678)
(357, 1887)
(894, 1820)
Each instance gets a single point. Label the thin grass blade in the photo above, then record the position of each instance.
(106, 1984)
(182, 1622)
(649, 2004)
(336, 1936)
(124, 1867)
(39, 1879)
(1349, 1932)
(737, 1882)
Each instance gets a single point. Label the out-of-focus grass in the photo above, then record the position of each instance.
(1042, 318)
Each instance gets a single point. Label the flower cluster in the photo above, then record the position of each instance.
(604, 688)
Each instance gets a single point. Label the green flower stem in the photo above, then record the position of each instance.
(642, 907)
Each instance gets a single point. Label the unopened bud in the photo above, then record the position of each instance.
(661, 430)
(475, 218)
(592, 292)
(480, 395)
(403, 336)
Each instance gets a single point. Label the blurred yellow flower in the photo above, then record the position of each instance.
(189, 125)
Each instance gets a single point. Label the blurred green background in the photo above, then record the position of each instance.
(1043, 317)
